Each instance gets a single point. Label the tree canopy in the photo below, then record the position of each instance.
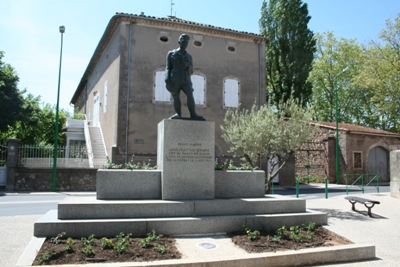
(369, 93)
(289, 53)
(267, 133)
(10, 96)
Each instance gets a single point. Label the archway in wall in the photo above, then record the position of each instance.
(378, 163)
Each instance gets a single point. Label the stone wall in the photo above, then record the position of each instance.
(39, 180)
(312, 157)
(395, 173)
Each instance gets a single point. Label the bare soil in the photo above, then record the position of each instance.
(322, 238)
(136, 253)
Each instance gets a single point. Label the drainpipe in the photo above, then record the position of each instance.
(128, 88)
(259, 74)
(259, 84)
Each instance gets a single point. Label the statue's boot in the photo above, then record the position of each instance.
(176, 116)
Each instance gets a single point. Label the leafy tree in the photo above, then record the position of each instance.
(381, 75)
(332, 56)
(266, 133)
(10, 96)
(36, 123)
(289, 53)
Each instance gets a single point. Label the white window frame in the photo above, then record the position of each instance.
(105, 97)
(199, 89)
(231, 93)
(161, 94)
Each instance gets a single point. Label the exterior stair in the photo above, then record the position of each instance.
(99, 152)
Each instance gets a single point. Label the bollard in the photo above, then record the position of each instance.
(326, 188)
(297, 187)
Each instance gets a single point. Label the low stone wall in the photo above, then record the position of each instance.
(40, 180)
(395, 173)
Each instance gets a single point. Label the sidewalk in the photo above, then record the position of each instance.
(381, 230)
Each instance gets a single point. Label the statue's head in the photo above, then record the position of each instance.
(183, 41)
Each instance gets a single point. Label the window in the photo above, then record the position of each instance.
(164, 36)
(161, 93)
(105, 97)
(231, 93)
(357, 160)
(199, 87)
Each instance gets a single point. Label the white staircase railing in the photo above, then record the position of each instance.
(88, 143)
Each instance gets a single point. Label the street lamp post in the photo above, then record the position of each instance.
(337, 124)
(54, 180)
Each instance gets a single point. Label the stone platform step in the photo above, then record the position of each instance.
(49, 225)
(91, 208)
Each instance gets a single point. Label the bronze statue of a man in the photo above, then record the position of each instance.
(177, 78)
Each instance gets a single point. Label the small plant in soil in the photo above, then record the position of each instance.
(122, 243)
(106, 243)
(252, 235)
(46, 257)
(56, 240)
(69, 245)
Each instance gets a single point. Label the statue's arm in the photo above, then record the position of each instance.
(190, 69)
(168, 68)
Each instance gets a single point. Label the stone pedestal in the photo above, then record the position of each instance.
(395, 173)
(185, 155)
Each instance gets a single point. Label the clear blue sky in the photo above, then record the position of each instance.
(30, 37)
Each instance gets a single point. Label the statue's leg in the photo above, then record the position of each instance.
(177, 105)
(188, 90)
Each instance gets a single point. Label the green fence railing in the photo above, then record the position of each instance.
(361, 181)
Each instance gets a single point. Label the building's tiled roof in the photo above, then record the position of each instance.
(351, 128)
(191, 23)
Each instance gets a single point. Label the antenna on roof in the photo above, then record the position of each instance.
(172, 3)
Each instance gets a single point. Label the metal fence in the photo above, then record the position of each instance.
(3, 154)
(43, 156)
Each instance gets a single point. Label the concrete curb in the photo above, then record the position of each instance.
(312, 256)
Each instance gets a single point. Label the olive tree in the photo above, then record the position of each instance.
(266, 133)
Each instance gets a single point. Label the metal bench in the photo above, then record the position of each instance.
(368, 203)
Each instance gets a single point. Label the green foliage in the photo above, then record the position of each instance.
(110, 165)
(10, 97)
(69, 245)
(230, 165)
(88, 251)
(331, 57)
(132, 165)
(161, 249)
(106, 243)
(369, 93)
(57, 239)
(252, 235)
(264, 132)
(36, 123)
(312, 179)
(88, 241)
(151, 237)
(46, 257)
(122, 243)
(298, 233)
(290, 49)
(380, 76)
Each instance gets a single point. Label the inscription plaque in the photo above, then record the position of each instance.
(185, 154)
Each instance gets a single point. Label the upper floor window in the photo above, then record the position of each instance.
(199, 87)
(161, 93)
(231, 93)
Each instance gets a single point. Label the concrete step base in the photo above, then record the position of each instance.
(49, 224)
(91, 208)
